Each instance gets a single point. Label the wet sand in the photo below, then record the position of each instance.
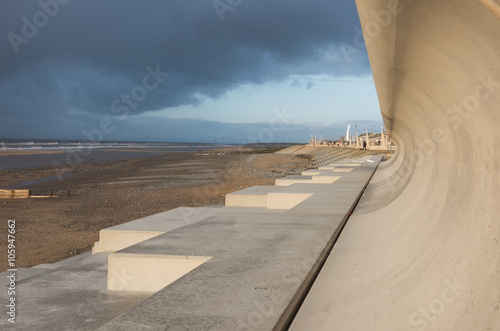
(8, 153)
(35, 160)
(96, 195)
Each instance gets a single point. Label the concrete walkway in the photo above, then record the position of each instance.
(226, 268)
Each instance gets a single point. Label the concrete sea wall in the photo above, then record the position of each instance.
(422, 250)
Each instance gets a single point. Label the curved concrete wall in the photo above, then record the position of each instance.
(436, 65)
(422, 249)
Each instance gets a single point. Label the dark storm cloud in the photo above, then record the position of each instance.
(87, 55)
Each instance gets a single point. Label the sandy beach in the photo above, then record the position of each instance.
(98, 195)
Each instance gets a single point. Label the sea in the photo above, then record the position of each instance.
(46, 152)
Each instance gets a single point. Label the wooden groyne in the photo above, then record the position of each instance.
(4, 194)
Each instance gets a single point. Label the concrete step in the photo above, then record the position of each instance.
(292, 179)
(124, 235)
(255, 196)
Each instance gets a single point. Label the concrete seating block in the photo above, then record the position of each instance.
(338, 165)
(295, 179)
(278, 200)
(255, 196)
(115, 240)
(342, 169)
(324, 179)
(148, 273)
(127, 234)
(311, 172)
(347, 164)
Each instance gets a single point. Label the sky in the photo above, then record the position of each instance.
(232, 71)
